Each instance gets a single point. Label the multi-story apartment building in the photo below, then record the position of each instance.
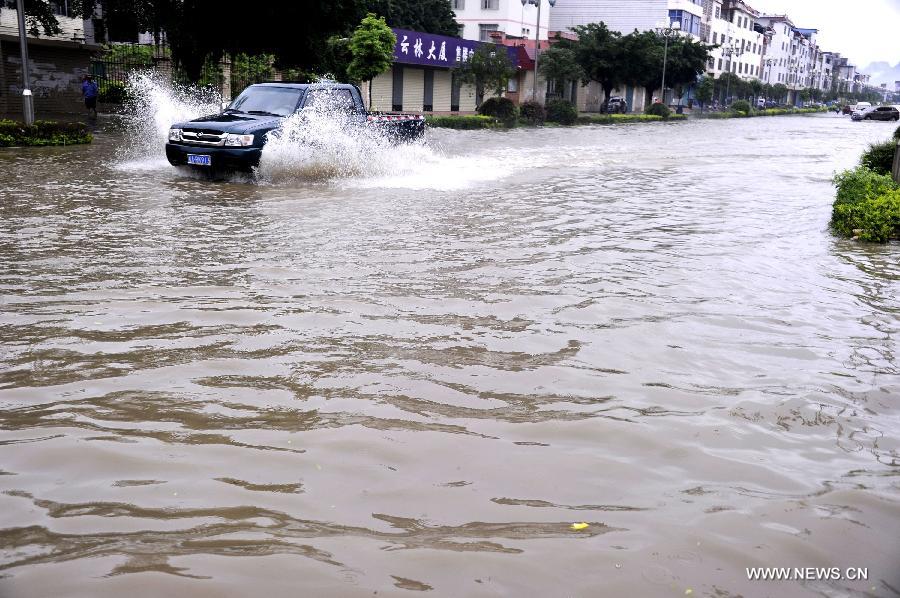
(56, 63)
(732, 27)
(478, 19)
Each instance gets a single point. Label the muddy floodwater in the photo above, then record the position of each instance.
(403, 372)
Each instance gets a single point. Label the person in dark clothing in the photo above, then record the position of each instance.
(90, 91)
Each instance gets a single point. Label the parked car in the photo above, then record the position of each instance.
(616, 105)
(234, 139)
(877, 113)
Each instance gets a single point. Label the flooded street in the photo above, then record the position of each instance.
(415, 370)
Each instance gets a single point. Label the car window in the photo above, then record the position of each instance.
(275, 100)
(329, 99)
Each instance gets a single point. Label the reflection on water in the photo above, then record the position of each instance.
(417, 377)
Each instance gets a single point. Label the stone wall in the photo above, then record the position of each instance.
(55, 71)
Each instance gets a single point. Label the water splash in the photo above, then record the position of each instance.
(326, 143)
(154, 105)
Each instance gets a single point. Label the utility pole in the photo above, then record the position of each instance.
(27, 98)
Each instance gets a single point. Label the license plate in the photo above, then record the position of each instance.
(199, 159)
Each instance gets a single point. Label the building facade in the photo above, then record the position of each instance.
(56, 63)
(478, 19)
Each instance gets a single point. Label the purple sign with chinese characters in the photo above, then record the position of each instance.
(427, 49)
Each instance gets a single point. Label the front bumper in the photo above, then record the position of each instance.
(222, 158)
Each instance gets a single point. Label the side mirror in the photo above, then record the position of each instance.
(225, 105)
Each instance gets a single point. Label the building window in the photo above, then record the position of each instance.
(490, 4)
(513, 85)
(720, 64)
(459, 4)
(484, 31)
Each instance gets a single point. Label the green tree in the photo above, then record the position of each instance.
(685, 61)
(558, 64)
(430, 16)
(598, 52)
(372, 49)
(704, 91)
(488, 68)
(756, 87)
(779, 92)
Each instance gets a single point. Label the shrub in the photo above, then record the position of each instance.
(532, 113)
(562, 112)
(873, 219)
(741, 106)
(861, 183)
(42, 132)
(658, 109)
(879, 157)
(502, 109)
(463, 121)
(867, 205)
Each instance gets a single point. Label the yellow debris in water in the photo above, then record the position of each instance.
(688, 592)
(578, 526)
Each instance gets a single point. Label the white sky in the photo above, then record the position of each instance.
(865, 31)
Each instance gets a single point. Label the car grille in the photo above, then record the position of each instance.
(200, 137)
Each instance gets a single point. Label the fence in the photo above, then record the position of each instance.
(228, 76)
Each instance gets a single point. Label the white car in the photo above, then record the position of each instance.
(858, 109)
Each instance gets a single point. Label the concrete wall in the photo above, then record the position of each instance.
(55, 77)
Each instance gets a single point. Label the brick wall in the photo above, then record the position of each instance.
(55, 78)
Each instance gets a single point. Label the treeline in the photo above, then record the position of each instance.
(612, 59)
(304, 35)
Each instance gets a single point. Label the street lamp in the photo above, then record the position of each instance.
(537, 43)
(769, 63)
(671, 31)
(27, 98)
(731, 51)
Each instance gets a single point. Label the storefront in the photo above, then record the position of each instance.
(421, 79)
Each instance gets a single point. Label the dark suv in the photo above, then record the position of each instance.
(877, 113)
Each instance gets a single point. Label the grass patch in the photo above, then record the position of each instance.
(42, 132)
(867, 206)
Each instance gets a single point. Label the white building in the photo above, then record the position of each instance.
(779, 38)
(733, 27)
(623, 16)
(479, 18)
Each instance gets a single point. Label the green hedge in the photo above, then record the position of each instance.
(42, 132)
(766, 112)
(464, 121)
(867, 206)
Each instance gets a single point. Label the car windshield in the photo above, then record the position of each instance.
(280, 101)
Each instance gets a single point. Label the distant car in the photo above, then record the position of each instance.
(760, 103)
(861, 106)
(877, 113)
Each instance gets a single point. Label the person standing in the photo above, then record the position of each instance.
(90, 91)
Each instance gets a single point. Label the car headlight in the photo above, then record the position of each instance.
(174, 134)
(239, 140)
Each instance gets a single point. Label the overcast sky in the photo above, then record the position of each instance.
(863, 30)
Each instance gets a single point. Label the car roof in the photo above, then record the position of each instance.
(298, 85)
